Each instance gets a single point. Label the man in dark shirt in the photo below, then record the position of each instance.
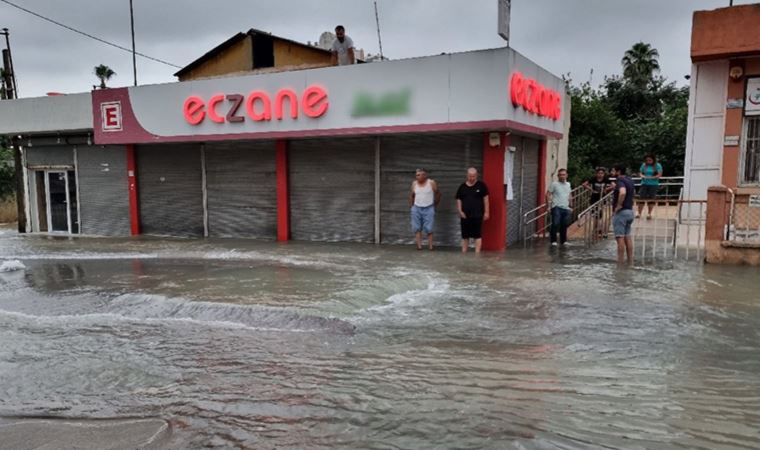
(472, 204)
(622, 220)
(597, 184)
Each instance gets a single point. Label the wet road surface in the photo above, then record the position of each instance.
(241, 344)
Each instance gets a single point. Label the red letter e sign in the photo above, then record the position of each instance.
(110, 116)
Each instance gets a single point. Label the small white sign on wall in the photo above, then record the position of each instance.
(754, 201)
(509, 171)
(752, 100)
(731, 141)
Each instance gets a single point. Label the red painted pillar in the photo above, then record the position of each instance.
(134, 207)
(542, 155)
(283, 199)
(495, 229)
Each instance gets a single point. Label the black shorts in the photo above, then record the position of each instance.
(648, 192)
(471, 228)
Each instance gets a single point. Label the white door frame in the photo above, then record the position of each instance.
(47, 200)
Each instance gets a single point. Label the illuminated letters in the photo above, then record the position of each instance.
(534, 97)
(193, 109)
(265, 101)
(313, 103)
(212, 102)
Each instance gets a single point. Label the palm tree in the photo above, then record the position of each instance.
(104, 73)
(640, 63)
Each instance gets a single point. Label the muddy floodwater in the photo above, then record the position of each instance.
(241, 344)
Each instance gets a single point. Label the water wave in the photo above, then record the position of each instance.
(156, 308)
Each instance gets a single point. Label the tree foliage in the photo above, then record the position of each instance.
(7, 186)
(640, 64)
(103, 73)
(628, 117)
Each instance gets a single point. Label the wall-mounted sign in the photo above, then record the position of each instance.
(754, 201)
(731, 141)
(257, 106)
(110, 116)
(505, 11)
(387, 104)
(535, 97)
(735, 103)
(457, 92)
(752, 100)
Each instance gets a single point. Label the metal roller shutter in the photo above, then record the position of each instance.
(241, 189)
(55, 155)
(332, 189)
(103, 190)
(170, 191)
(446, 157)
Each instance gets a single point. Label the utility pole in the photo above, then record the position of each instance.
(11, 93)
(134, 54)
(379, 40)
(10, 74)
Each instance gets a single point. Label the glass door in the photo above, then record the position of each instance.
(57, 201)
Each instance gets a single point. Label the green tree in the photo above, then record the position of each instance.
(640, 64)
(624, 119)
(104, 73)
(7, 185)
(3, 90)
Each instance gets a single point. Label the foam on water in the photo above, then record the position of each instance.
(228, 255)
(11, 266)
(150, 308)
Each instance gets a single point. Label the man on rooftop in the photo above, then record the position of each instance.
(342, 48)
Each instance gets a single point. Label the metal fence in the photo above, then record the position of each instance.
(670, 187)
(744, 218)
(596, 220)
(537, 221)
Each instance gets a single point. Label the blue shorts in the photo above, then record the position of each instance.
(622, 222)
(423, 219)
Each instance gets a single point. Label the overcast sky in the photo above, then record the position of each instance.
(564, 36)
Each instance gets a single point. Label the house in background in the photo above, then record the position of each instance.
(255, 50)
(723, 138)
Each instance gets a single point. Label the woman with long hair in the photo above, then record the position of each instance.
(650, 173)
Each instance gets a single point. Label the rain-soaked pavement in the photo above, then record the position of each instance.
(240, 344)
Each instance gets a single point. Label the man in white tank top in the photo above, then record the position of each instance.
(423, 198)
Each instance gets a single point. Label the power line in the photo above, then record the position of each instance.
(87, 34)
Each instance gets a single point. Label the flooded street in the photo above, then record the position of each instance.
(242, 344)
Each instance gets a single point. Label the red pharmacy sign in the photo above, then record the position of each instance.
(534, 97)
(256, 106)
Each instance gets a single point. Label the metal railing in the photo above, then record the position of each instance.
(597, 219)
(744, 218)
(537, 221)
(675, 231)
(670, 187)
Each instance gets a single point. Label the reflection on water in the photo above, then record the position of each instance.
(242, 344)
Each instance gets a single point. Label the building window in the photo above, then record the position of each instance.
(752, 151)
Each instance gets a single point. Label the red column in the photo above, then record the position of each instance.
(495, 229)
(134, 207)
(283, 199)
(541, 178)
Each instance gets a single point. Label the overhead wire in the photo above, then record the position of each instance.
(88, 35)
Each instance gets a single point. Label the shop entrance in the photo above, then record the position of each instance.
(56, 206)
